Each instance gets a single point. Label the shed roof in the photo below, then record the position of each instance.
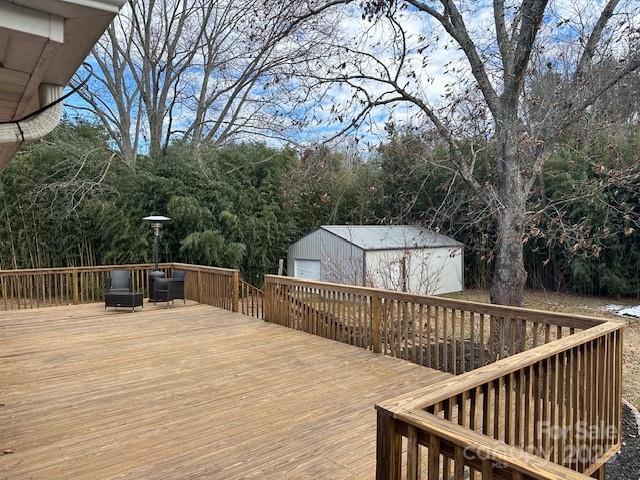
(381, 237)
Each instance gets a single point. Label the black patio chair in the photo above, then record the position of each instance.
(170, 289)
(120, 292)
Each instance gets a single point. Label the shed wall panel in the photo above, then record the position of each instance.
(341, 262)
(427, 271)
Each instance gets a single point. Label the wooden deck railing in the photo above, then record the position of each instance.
(439, 449)
(32, 288)
(560, 401)
(545, 385)
(211, 285)
(251, 300)
(535, 394)
(449, 335)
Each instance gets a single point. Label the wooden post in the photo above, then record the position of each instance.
(618, 386)
(600, 473)
(200, 296)
(414, 459)
(267, 301)
(388, 449)
(376, 322)
(235, 286)
(74, 280)
(4, 293)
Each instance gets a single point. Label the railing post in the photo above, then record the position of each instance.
(376, 322)
(200, 286)
(600, 473)
(74, 280)
(4, 292)
(388, 448)
(266, 299)
(235, 286)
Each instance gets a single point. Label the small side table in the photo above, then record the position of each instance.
(123, 299)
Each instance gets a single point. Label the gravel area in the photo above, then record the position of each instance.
(626, 465)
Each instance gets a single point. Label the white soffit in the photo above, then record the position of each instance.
(44, 41)
(31, 22)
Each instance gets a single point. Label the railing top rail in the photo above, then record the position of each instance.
(203, 268)
(102, 268)
(542, 316)
(249, 285)
(445, 389)
(488, 448)
(94, 268)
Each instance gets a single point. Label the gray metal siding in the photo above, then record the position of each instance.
(340, 261)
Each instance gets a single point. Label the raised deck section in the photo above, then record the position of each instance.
(187, 392)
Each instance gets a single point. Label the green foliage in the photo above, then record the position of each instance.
(591, 239)
(69, 200)
(61, 206)
(208, 247)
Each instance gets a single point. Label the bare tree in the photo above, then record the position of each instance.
(78, 174)
(201, 71)
(491, 91)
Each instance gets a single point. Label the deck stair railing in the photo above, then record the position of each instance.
(251, 300)
(535, 394)
(305, 315)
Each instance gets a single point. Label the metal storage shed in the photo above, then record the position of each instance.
(396, 257)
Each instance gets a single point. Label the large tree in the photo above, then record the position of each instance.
(200, 71)
(515, 79)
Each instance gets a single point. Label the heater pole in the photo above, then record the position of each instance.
(156, 242)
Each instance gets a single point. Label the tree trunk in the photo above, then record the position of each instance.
(509, 278)
(509, 275)
(155, 136)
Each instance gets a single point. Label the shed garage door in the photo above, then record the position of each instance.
(309, 269)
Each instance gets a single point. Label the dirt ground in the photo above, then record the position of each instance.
(592, 306)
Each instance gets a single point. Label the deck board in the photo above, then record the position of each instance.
(186, 392)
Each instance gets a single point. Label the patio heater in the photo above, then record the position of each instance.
(156, 222)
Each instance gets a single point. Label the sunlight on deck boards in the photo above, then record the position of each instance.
(186, 392)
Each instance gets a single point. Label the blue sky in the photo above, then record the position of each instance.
(440, 69)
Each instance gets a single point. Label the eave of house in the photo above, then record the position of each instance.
(44, 41)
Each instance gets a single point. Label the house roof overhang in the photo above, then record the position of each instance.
(44, 42)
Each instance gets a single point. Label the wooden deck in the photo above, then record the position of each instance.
(186, 392)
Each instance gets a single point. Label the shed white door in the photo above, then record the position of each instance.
(309, 269)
